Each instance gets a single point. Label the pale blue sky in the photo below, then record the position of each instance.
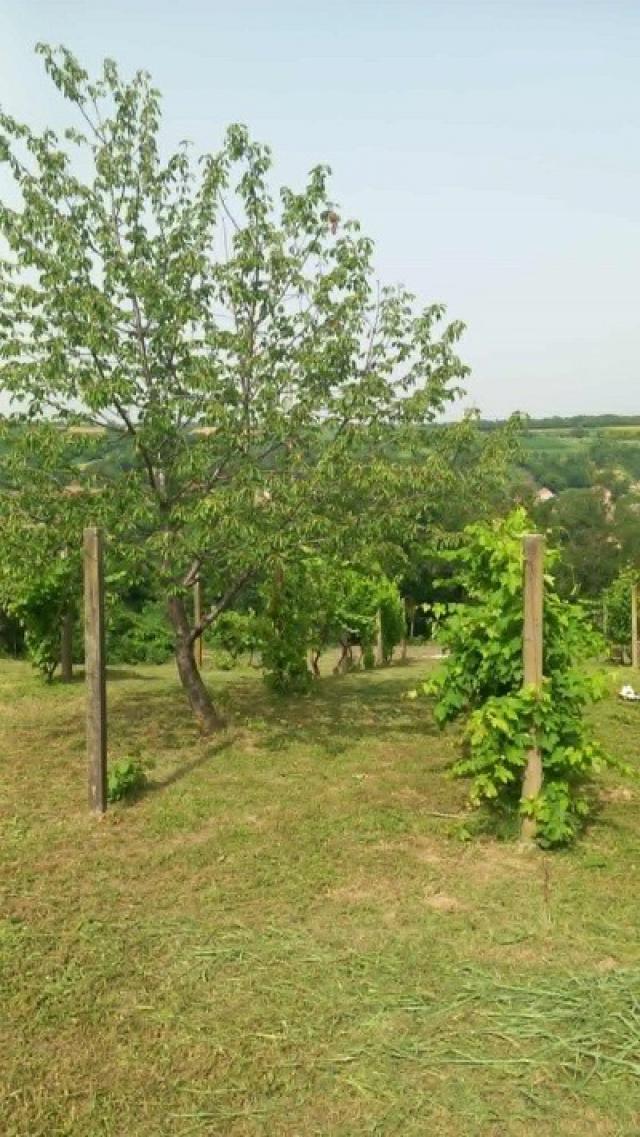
(491, 149)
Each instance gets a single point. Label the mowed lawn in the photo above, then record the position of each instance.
(286, 934)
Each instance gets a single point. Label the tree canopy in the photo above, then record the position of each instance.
(263, 395)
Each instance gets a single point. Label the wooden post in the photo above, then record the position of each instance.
(410, 608)
(66, 647)
(532, 647)
(634, 626)
(197, 616)
(409, 612)
(95, 673)
(605, 619)
(379, 656)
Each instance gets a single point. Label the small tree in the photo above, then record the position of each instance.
(482, 681)
(238, 341)
(392, 618)
(311, 605)
(618, 602)
(287, 629)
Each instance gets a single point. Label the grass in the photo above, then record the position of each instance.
(285, 936)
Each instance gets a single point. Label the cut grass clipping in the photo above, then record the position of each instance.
(583, 1026)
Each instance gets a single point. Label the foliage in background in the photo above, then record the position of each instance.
(40, 612)
(392, 616)
(360, 596)
(11, 635)
(38, 602)
(618, 602)
(482, 679)
(286, 630)
(138, 636)
(236, 337)
(311, 605)
(41, 518)
(237, 634)
(583, 524)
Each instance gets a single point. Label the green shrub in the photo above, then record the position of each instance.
(224, 660)
(482, 680)
(38, 605)
(125, 778)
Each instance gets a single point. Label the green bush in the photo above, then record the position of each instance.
(482, 680)
(38, 605)
(125, 779)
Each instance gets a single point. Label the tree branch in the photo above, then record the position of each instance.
(221, 604)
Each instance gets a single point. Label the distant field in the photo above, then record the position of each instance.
(622, 432)
(563, 442)
(555, 440)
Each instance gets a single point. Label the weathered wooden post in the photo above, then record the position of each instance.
(634, 626)
(379, 651)
(95, 673)
(197, 616)
(532, 647)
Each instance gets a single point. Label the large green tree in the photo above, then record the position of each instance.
(238, 338)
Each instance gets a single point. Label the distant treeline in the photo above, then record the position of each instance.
(572, 422)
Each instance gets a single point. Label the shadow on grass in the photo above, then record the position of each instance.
(338, 712)
(117, 674)
(342, 711)
(76, 680)
(155, 785)
(114, 675)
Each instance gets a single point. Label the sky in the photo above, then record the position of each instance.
(491, 149)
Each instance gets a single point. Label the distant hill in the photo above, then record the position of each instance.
(580, 451)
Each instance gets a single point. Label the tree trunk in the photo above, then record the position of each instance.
(199, 698)
(66, 647)
(342, 666)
